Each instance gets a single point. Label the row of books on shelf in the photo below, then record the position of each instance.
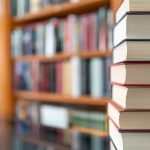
(18, 144)
(75, 77)
(20, 8)
(130, 109)
(80, 142)
(87, 32)
(54, 123)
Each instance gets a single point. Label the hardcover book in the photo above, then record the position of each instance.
(133, 26)
(129, 119)
(131, 74)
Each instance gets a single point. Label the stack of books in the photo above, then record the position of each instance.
(130, 109)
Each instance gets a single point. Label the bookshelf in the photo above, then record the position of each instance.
(57, 98)
(8, 96)
(91, 132)
(63, 56)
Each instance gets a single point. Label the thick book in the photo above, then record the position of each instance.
(130, 97)
(129, 119)
(129, 140)
(133, 26)
(132, 6)
(132, 50)
(131, 74)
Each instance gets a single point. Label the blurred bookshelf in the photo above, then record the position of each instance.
(57, 98)
(12, 96)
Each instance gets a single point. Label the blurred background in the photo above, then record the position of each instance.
(54, 74)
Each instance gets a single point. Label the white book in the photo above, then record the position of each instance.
(129, 140)
(52, 116)
(131, 6)
(76, 76)
(131, 97)
(50, 41)
(97, 77)
(132, 50)
(15, 42)
(132, 26)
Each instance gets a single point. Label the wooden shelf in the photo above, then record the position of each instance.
(42, 143)
(103, 134)
(57, 98)
(60, 10)
(63, 56)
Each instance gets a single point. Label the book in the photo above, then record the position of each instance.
(97, 77)
(128, 140)
(52, 116)
(50, 47)
(129, 119)
(76, 76)
(23, 119)
(131, 50)
(132, 74)
(107, 85)
(16, 43)
(102, 31)
(131, 97)
(85, 77)
(59, 77)
(132, 6)
(133, 26)
(40, 39)
(112, 146)
(28, 40)
(27, 118)
(35, 5)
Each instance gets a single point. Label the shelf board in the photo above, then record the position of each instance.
(57, 98)
(42, 143)
(64, 56)
(95, 132)
(60, 10)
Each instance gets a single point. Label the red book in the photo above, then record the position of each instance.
(59, 70)
(131, 74)
(85, 32)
